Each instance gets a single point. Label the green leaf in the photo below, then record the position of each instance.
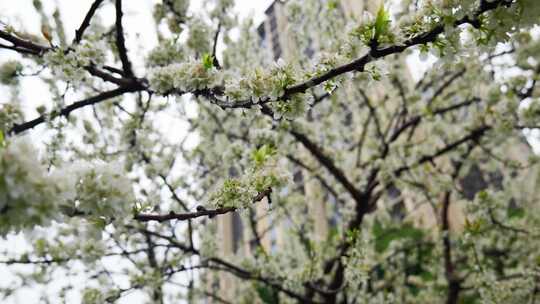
(1, 138)
(516, 212)
(384, 236)
(332, 4)
(537, 260)
(482, 195)
(99, 223)
(382, 22)
(427, 276)
(475, 226)
(260, 155)
(208, 61)
(40, 246)
(470, 299)
(329, 87)
(266, 294)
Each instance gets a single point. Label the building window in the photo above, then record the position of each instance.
(262, 35)
(273, 235)
(238, 231)
(273, 34)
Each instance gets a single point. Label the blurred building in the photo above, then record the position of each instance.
(273, 34)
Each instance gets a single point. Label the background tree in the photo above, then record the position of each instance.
(120, 203)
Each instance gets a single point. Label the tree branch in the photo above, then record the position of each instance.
(21, 43)
(376, 53)
(233, 269)
(472, 136)
(328, 163)
(214, 48)
(86, 22)
(19, 128)
(201, 211)
(354, 66)
(120, 40)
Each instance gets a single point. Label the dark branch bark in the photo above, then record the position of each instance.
(241, 273)
(19, 128)
(120, 40)
(86, 22)
(328, 163)
(25, 44)
(200, 213)
(453, 281)
(321, 180)
(94, 71)
(446, 84)
(472, 136)
(233, 269)
(214, 48)
(253, 226)
(417, 119)
(18, 49)
(157, 291)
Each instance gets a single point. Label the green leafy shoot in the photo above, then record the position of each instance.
(260, 155)
(382, 23)
(208, 61)
(332, 5)
(386, 235)
(266, 294)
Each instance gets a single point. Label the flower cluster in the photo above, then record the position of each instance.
(30, 196)
(191, 75)
(376, 30)
(174, 12)
(395, 182)
(98, 296)
(103, 191)
(10, 113)
(262, 84)
(9, 72)
(265, 173)
(68, 64)
(165, 53)
(223, 11)
(199, 37)
(27, 196)
(295, 106)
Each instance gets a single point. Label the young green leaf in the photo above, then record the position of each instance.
(260, 155)
(208, 61)
(382, 22)
(332, 5)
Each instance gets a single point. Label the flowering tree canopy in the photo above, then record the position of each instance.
(377, 188)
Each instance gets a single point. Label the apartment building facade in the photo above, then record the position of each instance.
(274, 38)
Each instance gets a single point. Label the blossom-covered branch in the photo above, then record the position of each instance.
(201, 211)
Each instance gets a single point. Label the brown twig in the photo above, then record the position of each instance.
(120, 40)
(86, 22)
(201, 211)
(19, 128)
